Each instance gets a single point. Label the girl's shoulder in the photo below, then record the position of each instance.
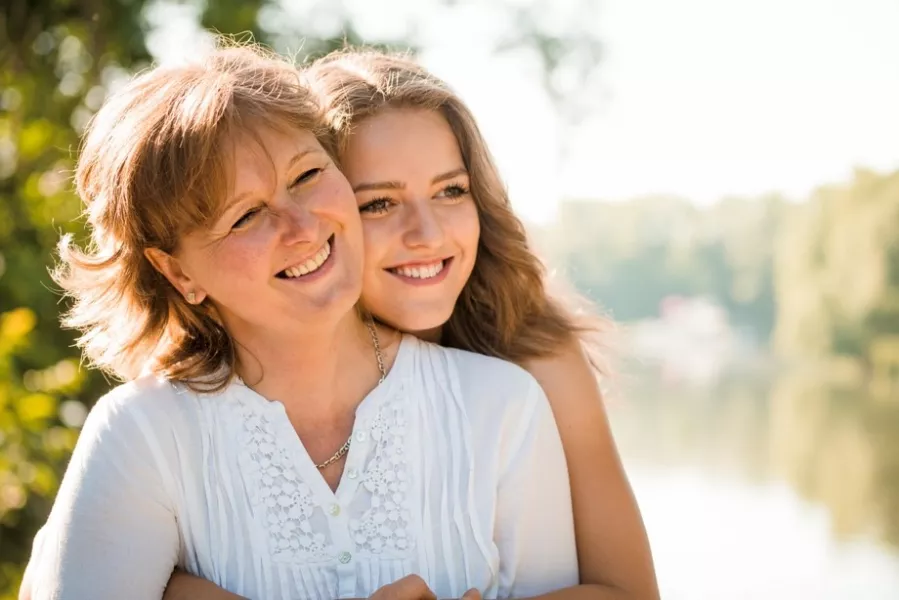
(486, 385)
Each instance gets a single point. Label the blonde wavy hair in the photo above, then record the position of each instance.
(155, 164)
(505, 308)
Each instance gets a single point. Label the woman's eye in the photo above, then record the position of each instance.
(376, 206)
(305, 176)
(453, 191)
(246, 218)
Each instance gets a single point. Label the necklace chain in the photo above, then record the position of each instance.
(377, 344)
(382, 370)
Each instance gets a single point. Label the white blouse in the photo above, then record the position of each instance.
(455, 473)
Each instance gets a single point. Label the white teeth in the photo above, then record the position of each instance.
(422, 272)
(311, 264)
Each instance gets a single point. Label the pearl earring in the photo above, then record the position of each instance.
(191, 297)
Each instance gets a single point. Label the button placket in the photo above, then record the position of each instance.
(356, 457)
(353, 470)
(339, 514)
(343, 546)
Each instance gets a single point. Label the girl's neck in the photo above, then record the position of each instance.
(430, 335)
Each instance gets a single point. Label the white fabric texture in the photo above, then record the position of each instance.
(455, 473)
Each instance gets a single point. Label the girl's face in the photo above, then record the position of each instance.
(419, 220)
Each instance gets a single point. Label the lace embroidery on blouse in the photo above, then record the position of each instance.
(385, 525)
(288, 501)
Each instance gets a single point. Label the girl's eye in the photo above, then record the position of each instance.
(454, 190)
(306, 176)
(246, 218)
(376, 206)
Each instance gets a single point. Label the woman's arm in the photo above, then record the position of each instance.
(613, 550)
(112, 532)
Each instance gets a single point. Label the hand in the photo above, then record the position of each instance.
(413, 587)
(472, 594)
(410, 587)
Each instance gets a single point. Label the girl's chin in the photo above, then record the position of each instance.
(426, 329)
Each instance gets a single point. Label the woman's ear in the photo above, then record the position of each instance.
(171, 269)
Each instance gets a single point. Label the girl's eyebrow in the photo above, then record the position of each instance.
(380, 185)
(450, 175)
(399, 185)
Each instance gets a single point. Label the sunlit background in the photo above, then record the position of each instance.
(721, 176)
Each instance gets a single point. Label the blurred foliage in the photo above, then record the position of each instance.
(630, 256)
(819, 278)
(58, 61)
(837, 275)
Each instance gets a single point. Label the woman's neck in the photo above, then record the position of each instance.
(320, 375)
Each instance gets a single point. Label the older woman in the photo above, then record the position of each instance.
(270, 438)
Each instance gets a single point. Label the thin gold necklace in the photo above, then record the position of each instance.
(381, 369)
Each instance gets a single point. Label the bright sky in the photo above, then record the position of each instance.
(698, 98)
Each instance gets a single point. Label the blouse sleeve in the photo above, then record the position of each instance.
(534, 519)
(112, 532)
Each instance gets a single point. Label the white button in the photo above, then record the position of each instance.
(334, 510)
(361, 436)
(352, 473)
(344, 557)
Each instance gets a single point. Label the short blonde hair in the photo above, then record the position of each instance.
(505, 308)
(155, 164)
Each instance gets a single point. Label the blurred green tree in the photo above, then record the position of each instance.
(630, 256)
(837, 275)
(57, 60)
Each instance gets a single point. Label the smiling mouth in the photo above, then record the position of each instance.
(421, 271)
(310, 265)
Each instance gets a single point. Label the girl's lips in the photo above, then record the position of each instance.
(406, 272)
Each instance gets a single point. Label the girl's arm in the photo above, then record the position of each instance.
(613, 550)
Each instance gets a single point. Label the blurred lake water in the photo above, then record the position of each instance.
(763, 486)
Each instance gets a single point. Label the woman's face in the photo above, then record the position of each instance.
(419, 220)
(286, 252)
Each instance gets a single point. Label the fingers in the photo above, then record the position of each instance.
(413, 587)
(410, 587)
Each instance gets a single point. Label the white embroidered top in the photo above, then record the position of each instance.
(455, 473)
